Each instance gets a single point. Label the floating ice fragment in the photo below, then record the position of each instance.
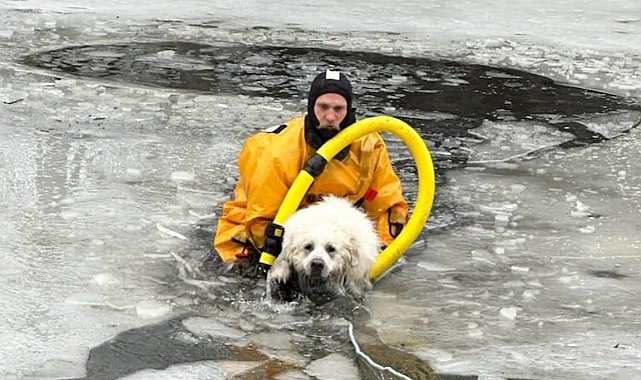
(435, 354)
(182, 176)
(520, 358)
(152, 309)
(166, 54)
(512, 284)
(502, 217)
(474, 332)
(240, 369)
(10, 265)
(67, 82)
(434, 267)
(333, 367)
(86, 299)
(186, 337)
(191, 371)
(519, 269)
(397, 79)
(272, 107)
(536, 283)
(454, 81)
(581, 210)
(275, 340)
(209, 326)
(60, 369)
(587, 230)
(202, 217)
(567, 279)
(6, 34)
(420, 243)
(517, 188)
(69, 215)
(169, 232)
(253, 88)
(105, 279)
(483, 256)
(257, 60)
(500, 208)
(627, 86)
(133, 172)
(508, 313)
(97, 241)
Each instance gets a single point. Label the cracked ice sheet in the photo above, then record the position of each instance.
(553, 41)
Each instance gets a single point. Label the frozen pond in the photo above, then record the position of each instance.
(118, 144)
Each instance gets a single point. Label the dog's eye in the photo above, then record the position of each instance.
(308, 247)
(330, 249)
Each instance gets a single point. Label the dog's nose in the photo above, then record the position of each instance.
(318, 264)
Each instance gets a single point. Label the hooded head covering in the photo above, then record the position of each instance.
(327, 82)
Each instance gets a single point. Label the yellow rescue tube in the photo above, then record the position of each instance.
(426, 184)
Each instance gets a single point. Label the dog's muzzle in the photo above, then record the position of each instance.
(317, 267)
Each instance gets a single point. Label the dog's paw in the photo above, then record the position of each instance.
(358, 289)
(281, 286)
(279, 272)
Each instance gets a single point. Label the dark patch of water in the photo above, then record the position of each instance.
(439, 98)
(158, 346)
(607, 274)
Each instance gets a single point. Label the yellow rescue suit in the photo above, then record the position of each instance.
(270, 161)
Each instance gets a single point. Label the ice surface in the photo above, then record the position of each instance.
(151, 309)
(333, 367)
(507, 141)
(106, 279)
(274, 340)
(90, 169)
(191, 371)
(291, 375)
(508, 313)
(434, 267)
(207, 326)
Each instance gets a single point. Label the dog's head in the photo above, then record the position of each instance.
(320, 257)
(328, 247)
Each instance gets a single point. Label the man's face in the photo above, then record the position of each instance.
(330, 110)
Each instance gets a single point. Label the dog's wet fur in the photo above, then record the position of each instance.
(328, 250)
(300, 287)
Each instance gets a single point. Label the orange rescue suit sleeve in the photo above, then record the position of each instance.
(260, 190)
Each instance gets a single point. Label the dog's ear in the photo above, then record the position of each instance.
(352, 250)
(289, 247)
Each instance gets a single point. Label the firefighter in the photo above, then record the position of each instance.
(271, 159)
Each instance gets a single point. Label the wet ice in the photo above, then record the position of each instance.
(104, 175)
(333, 367)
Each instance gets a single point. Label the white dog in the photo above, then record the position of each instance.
(327, 247)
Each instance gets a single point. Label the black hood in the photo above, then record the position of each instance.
(327, 82)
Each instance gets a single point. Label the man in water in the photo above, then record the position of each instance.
(271, 159)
